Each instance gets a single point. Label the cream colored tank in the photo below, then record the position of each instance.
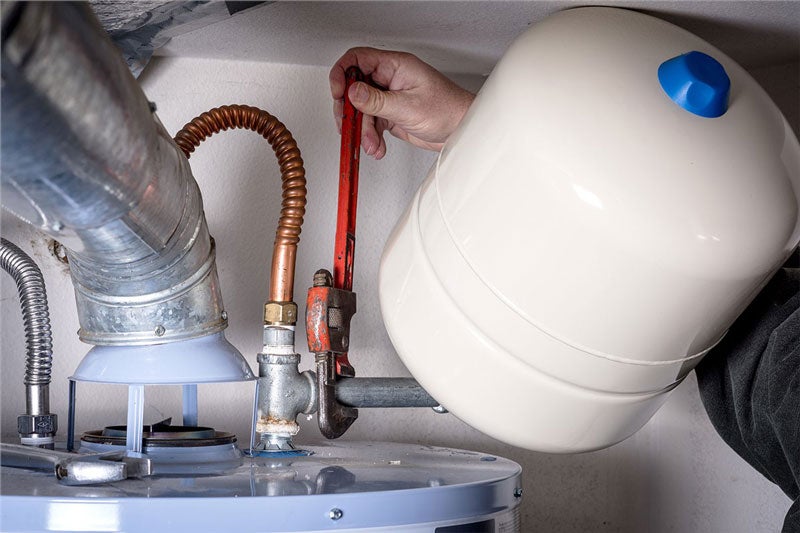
(603, 214)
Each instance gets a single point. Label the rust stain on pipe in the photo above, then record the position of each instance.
(293, 179)
(270, 424)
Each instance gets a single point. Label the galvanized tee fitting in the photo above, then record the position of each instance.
(283, 391)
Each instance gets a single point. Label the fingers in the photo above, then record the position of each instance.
(338, 113)
(336, 80)
(369, 60)
(371, 105)
(371, 138)
(390, 105)
(366, 59)
(336, 76)
(419, 104)
(381, 125)
(381, 150)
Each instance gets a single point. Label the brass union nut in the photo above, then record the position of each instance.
(280, 313)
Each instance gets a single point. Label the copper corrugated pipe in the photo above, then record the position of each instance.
(293, 178)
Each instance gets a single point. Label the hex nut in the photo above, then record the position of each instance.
(278, 336)
(37, 424)
(280, 313)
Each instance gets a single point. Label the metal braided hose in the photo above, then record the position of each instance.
(35, 314)
(292, 178)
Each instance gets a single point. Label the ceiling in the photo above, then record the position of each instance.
(467, 38)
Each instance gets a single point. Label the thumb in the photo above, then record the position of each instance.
(372, 101)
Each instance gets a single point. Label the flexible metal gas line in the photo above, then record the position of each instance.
(35, 314)
(292, 177)
(37, 426)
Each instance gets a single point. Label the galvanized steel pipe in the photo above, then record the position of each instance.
(383, 392)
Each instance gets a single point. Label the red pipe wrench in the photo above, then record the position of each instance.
(345, 241)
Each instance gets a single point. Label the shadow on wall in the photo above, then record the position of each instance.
(782, 83)
(738, 28)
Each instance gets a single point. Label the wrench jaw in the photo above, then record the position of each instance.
(328, 314)
(333, 417)
(97, 469)
(74, 469)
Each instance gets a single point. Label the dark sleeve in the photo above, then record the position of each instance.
(750, 386)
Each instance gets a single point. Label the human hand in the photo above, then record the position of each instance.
(420, 105)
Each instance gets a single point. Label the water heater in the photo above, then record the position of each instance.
(617, 194)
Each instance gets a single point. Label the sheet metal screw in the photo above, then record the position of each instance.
(160, 331)
(440, 409)
(224, 315)
(335, 514)
(59, 251)
(518, 492)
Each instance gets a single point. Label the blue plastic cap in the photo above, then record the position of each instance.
(696, 82)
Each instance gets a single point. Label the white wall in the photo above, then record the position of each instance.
(674, 475)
